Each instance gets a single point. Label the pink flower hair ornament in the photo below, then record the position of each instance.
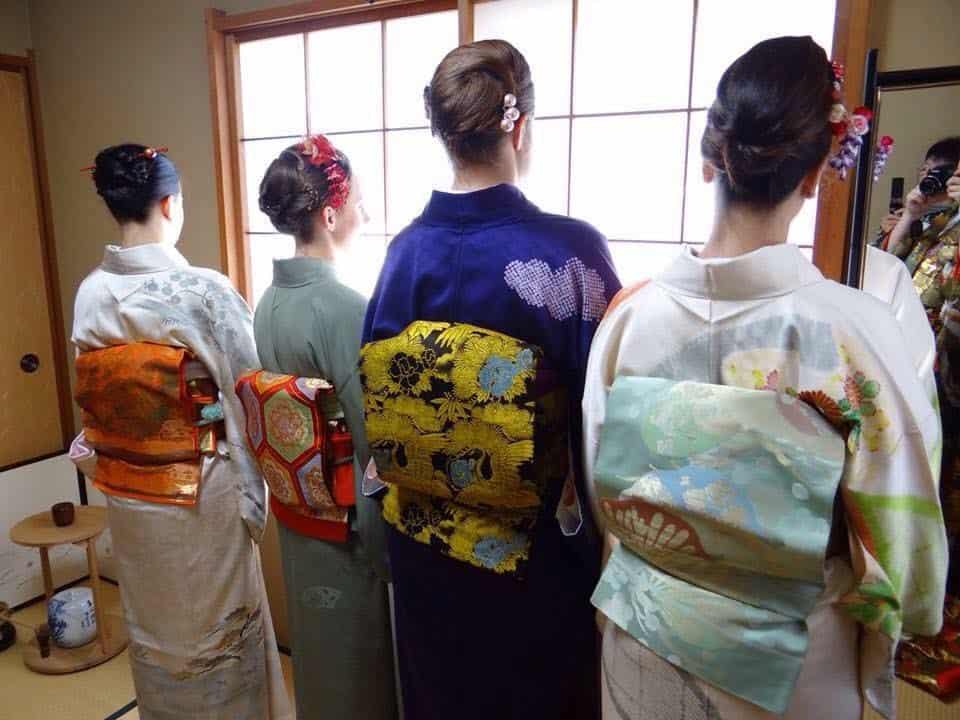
(321, 153)
(884, 148)
(849, 127)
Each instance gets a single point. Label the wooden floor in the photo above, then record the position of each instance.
(103, 691)
(93, 694)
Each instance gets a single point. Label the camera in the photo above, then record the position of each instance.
(935, 181)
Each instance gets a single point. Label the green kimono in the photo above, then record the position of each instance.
(309, 324)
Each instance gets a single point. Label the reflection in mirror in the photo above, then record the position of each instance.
(917, 118)
(911, 222)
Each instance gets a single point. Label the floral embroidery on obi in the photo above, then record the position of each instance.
(466, 427)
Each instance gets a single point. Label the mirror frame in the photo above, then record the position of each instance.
(874, 82)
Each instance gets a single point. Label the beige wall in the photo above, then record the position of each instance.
(915, 132)
(14, 27)
(124, 70)
(916, 33)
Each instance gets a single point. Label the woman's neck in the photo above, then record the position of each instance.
(468, 178)
(319, 247)
(133, 234)
(738, 231)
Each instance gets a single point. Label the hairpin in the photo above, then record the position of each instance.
(884, 148)
(321, 153)
(850, 127)
(510, 113)
(150, 153)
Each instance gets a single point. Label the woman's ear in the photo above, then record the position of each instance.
(811, 181)
(329, 218)
(519, 135)
(709, 172)
(166, 206)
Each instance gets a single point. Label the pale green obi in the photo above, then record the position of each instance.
(723, 500)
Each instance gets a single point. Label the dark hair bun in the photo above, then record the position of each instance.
(130, 182)
(769, 126)
(293, 189)
(464, 101)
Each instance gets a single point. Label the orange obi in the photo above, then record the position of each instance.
(305, 456)
(151, 412)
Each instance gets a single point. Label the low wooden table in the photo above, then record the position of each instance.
(39, 531)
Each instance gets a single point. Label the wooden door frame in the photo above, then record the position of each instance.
(850, 46)
(27, 66)
(224, 32)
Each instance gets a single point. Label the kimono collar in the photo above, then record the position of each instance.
(300, 271)
(492, 205)
(767, 272)
(140, 259)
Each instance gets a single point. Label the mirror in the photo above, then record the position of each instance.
(918, 257)
(918, 108)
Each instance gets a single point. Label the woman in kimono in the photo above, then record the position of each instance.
(477, 295)
(715, 476)
(184, 530)
(309, 324)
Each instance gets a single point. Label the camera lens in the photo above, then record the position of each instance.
(935, 181)
(931, 185)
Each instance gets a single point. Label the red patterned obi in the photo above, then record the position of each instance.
(305, 456)
(145, 409)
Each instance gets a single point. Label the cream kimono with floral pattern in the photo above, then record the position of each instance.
(769, 320)
(202, 644)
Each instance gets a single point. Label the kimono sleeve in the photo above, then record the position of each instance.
(601, 372)
(220, 334)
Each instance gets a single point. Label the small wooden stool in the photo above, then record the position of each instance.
(39, 531)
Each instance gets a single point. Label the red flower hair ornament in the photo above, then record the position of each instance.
(321, 153)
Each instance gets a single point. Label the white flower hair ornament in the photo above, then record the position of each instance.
(510, 113)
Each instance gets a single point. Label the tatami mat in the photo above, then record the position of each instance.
(93, 694)
(100, 692)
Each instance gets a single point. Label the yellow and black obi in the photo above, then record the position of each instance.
(469, 430)
(151, 412)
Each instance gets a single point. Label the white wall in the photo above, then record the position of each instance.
(33, 489)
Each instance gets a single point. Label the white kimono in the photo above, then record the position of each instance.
(202, 644)
(886, 277)
(769, 320)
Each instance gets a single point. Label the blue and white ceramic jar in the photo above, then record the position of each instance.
(71, 617)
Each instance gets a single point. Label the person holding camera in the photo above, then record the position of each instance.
(928, 230)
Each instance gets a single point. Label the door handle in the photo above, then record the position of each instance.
(29, 363)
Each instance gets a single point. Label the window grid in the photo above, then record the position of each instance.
(571, 116)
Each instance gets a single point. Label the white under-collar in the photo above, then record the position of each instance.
(149, 258)
(767, 272)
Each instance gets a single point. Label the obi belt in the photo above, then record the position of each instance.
(151, 412)
(304, 451)
(468, 428)
(722, 499)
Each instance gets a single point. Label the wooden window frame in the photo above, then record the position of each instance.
(27, 66)
(225, 32)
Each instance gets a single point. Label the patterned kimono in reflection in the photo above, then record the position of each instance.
(201, 638)
(491, 620)
(769, 321)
